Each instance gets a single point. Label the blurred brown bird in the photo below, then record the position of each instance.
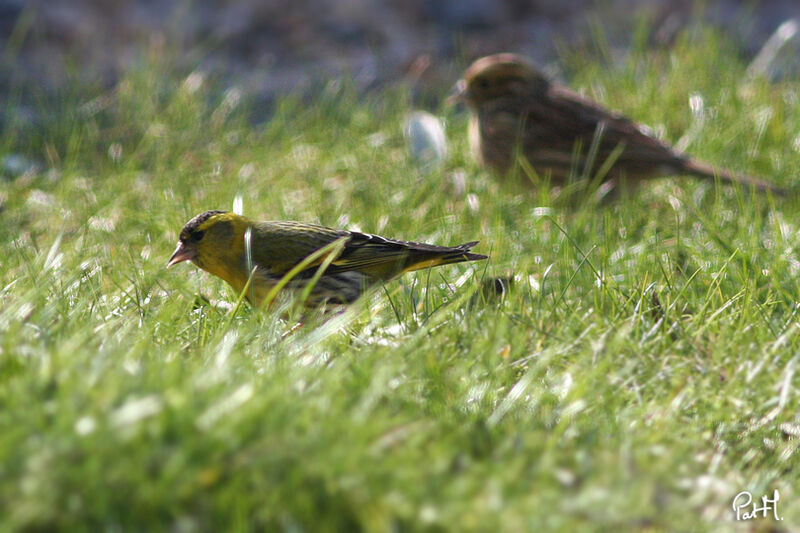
(517, 110)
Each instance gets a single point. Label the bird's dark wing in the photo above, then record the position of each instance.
(383, 258)
(278, 246)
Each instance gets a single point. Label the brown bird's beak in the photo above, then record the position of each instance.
(458, 94)
(182, 253)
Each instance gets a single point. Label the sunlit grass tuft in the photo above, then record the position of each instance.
(639, 373)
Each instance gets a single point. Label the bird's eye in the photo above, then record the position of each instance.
(483, 83)
(198, 235)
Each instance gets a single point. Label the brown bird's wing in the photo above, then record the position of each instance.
(560, 118)
(560, 124)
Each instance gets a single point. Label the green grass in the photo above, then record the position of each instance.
(640, 374)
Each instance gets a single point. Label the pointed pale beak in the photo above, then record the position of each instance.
(457, 94)
(182, 253)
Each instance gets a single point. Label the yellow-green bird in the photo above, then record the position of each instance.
(215, 242)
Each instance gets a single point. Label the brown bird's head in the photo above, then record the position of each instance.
(498, 76)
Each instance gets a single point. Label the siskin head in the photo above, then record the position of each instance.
(213, 241)
(498, 76)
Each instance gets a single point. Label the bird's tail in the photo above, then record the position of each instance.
(444, 256)
(706, 171)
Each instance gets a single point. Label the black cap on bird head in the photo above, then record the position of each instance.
(190, 235)
(191, 227)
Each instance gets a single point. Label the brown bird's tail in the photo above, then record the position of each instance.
(706, 171)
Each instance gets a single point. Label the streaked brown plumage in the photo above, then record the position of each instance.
(516, 109)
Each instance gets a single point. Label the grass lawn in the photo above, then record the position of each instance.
(641, 372)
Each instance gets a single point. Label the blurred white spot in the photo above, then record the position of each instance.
(476, 393)
(248, 250)
(238, 205)
(428, 514)
(102, 224)
(136, 410)
(426, 139)
(796, 143)
(696, 104)
(39, 198)
(776, 59)
(131, 366)
(54, 257)
(24, 310)
(247, 171)
(376, 140)
(564, 476)
(225, 349)
(229, 102)
(473, 202)
(516, 394)
(225, 406)
(787, 30)
(194, 81)
(573, 409)
(85, 425)
(762, 119)
(394, 330)
(232, 98)
(763, 116)
(304, 155)
(792, 430)
(562, 388)
(115, 152)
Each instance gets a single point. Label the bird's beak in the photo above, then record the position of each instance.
(457, 94)
(182, 253)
